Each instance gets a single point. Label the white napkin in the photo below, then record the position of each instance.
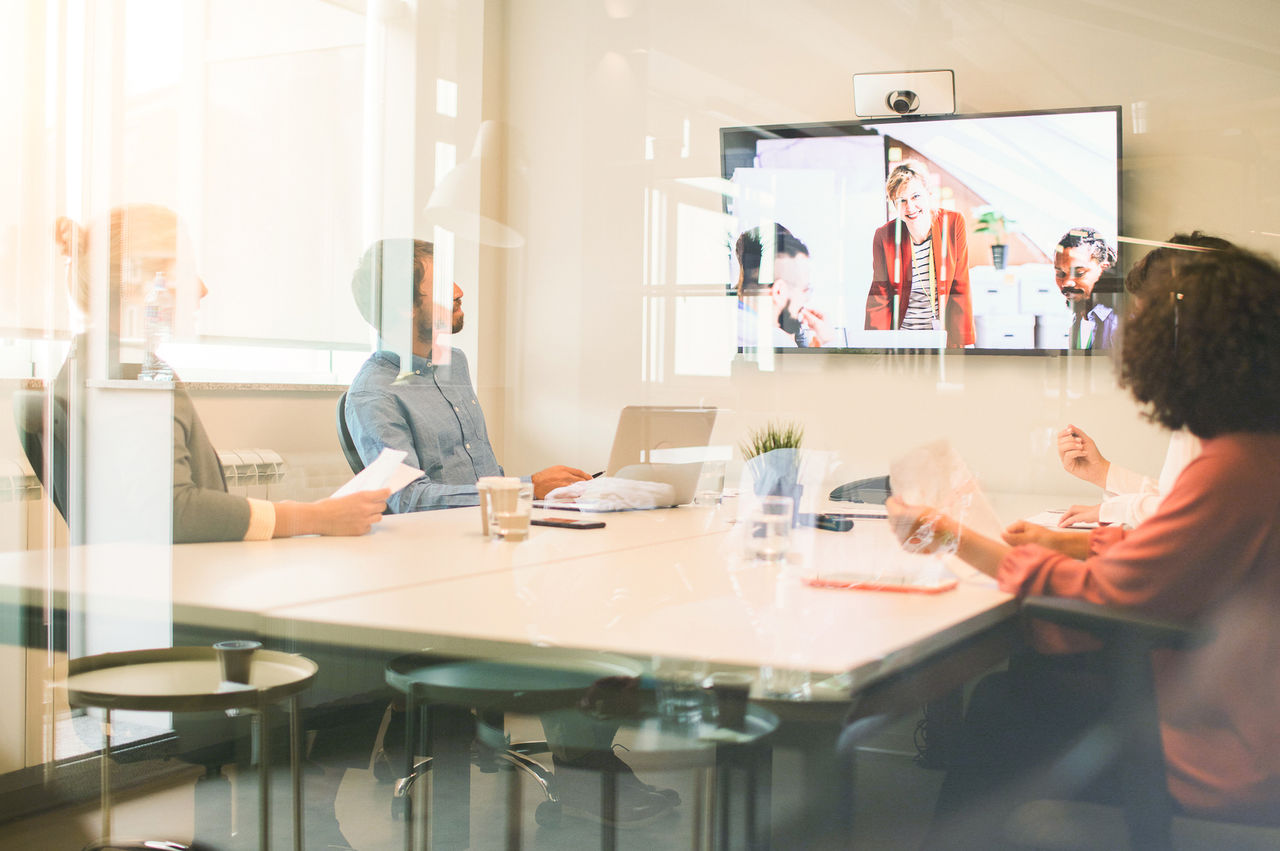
(612, 494)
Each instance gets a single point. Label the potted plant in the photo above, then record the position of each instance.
(772, 454)
(994, 222)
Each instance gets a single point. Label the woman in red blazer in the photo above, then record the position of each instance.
(935, 241)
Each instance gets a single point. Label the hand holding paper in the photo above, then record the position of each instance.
(386, 471)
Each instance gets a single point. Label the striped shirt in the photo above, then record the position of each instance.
(921, 306)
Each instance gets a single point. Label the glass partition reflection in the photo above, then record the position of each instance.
(571, 170)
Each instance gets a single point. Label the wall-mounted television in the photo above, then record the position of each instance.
(1000, 238)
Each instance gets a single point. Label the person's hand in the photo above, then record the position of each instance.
(919, 528)
(1073, 542)
(545, 481)
(1024, 532)
(1080, 456)
(1079, 514)
(353, 514)
(821, 332)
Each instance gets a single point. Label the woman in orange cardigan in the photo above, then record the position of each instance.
(920, 264)
(1208, 359)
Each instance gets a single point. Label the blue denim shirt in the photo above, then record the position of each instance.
(433, 414)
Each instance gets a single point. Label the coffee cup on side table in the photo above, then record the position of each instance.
(730, 691)
(235, 658)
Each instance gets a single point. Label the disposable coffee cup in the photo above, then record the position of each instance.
(730, 691)
(484, 485)
(235, 658)
(504, 494)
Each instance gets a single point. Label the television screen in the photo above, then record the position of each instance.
(991, 233)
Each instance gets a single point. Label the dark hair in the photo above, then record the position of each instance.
(1160, 266)
(750, 246)
(367, 280)
(1207, 355)
(1099, 250)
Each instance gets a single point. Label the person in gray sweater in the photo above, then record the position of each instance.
(139, 241)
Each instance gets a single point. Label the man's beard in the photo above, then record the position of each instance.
(788, 322)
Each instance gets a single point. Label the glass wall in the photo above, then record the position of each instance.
(198, 181)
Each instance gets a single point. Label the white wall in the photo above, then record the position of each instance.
(588, 81)
(300, 425)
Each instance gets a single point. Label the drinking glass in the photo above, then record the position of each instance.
(769, 529)
(513, 521)
(710, 484)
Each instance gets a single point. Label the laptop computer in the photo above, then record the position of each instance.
(659, 444)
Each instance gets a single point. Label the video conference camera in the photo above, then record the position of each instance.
(890, 94)
(903, 101)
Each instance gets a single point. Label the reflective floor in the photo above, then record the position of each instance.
(895, 799)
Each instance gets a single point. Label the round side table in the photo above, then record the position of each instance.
(189, 679)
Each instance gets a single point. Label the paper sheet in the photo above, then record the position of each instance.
(1050, 517)
(386, 471)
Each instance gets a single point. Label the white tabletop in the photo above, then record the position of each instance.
(656, 583)
(695, 597)
(401, 551)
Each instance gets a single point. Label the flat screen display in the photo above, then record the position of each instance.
(993, 233)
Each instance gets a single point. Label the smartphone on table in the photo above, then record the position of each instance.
(568, 522)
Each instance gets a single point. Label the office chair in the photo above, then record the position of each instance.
(344, 437)
(29, 418)
(874, 490)
(1146, 818)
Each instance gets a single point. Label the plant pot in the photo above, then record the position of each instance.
(775, 474)
(997, 256)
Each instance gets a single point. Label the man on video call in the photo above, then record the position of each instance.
(1079, 260)
(786, 300)
(432, 412)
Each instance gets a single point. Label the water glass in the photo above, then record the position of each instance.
(783, 683)
(512, 522)
(769, 529)
(710, 484)
(679, 690)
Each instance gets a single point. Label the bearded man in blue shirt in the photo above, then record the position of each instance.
(428, 410)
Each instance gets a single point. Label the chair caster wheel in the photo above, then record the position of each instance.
(547, 814)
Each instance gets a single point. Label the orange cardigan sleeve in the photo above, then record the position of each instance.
(880, 297)
(1182, 559)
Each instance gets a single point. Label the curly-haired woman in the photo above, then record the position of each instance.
(1205, 357)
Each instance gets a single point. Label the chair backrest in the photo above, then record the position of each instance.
(29, 418)
(1128, 638)
(874, 490)
(344, 437)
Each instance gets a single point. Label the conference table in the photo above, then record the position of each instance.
(651, 585)
(663, 583)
